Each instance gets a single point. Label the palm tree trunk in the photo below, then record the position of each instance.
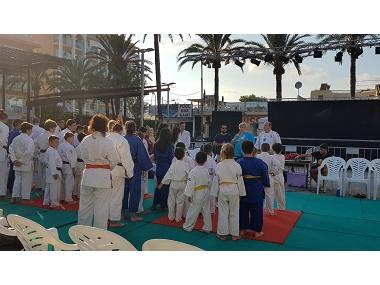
(158, 74)
(216, 89)
(106, 102)
(278, 86)
(353, 76)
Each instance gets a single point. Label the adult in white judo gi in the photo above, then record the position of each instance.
(21, 152)
(228, 186)
(122, 170)
(274, 169)
(268, 136)
(4, 132)
(41, 144)
(54, 175)
(69, 159)
(177, 177)
(198, 193)
(79, 168)
(99, 156)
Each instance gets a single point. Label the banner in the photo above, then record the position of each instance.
(184, 110)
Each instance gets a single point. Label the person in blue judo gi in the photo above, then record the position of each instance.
(255, 175)
(163, 152)
(132, 188)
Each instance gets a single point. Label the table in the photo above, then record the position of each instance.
(301, 163)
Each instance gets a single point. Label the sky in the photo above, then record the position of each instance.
(258, 80)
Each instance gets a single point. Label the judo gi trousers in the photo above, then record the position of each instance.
(22, 185)
(269, 199)
(212, 205)
(78, 181)
(251, 216)
(69, 183)
(200, 204)
(132, 193)
(116, 198)
(176, 200)
(38, 177)
(3, 177)
(94, 206)
(52, 192)
(11, 177)
(228, 209)
(279, 192)
(144, 189)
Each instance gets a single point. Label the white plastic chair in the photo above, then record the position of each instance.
(335, 166)
(95, 239)
(168, 245)
(358, 168)
(5, 229)
(35, 237)
(375, 165)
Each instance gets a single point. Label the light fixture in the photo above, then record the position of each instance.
(338, 57)
(298, 58)
(317, 53)
(255, 61)
(377, 50)
(268, 57)
(239, 63)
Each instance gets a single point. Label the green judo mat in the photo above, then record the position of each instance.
(327, 223)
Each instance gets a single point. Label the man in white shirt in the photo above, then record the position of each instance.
(268, 136)
(184, 136)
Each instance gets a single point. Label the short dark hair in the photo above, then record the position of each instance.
(265, 147)
(228, 150)
(81, 136)
(207, 148)
(98, 123)
(182, 123)
(49, 124)
(25, 126)
(247, 147)
(201, 158)
(181, 145)
(324, 146)
(179, 153)
(53, 138)
(68, 135)
(130, 127)
(277, 147)
(70, 122)
(16, 123)
(142, 129)
(117, 128)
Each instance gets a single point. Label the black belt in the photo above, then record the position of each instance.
(6, 148)
(43, 150)
(80, 160)
(65, 162)
(119, 164)
(59, 169)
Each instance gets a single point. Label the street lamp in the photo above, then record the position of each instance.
(142, 51)
(167, 101)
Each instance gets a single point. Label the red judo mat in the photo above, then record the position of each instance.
(37, 202)
(276, 228)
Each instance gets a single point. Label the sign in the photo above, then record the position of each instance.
(184, 110)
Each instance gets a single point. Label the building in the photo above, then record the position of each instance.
(324, 93)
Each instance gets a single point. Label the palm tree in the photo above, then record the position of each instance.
(157, 40)
(73, 75)
(278, 51)
(353, 41)
(38, 78)
(216, 46)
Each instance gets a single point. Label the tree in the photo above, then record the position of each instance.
(38, 78)
(73, 75)
(252, 98)
(278, 51)
(216, 46)
(354, 49)
(157, 64)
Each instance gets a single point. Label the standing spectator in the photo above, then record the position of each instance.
(163, 155)
(242, 135)
(268, 136)
(4, 132)
(220, 139)
(184, 136)
(175, 134)
(149, 137)
(12, 134)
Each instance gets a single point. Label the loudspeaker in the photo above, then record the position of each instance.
(230, 118)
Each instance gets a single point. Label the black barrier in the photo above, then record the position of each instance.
(230, 118)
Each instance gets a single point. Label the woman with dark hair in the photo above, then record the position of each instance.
(99, 155)
(163, 153)
(132, 188)
(175, 133)
(160, 127)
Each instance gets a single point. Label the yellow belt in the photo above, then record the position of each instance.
(200, 187)
(227, 183)
(248, 176)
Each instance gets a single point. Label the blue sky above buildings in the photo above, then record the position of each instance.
(259, 80)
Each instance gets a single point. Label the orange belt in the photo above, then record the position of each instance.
(97, 166)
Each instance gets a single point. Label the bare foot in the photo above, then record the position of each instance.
(71, 202)
(221, 237)
(236, 237)
(259, 234)
(116, 224)
(178, 220)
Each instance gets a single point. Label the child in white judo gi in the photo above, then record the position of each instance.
(176, 176)
(273, 170)
(211, 166)
(53, 174)
(69, 159)
(78, 168)
(228, 186)
(278, 180)
(198, 194)
(21, 152)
